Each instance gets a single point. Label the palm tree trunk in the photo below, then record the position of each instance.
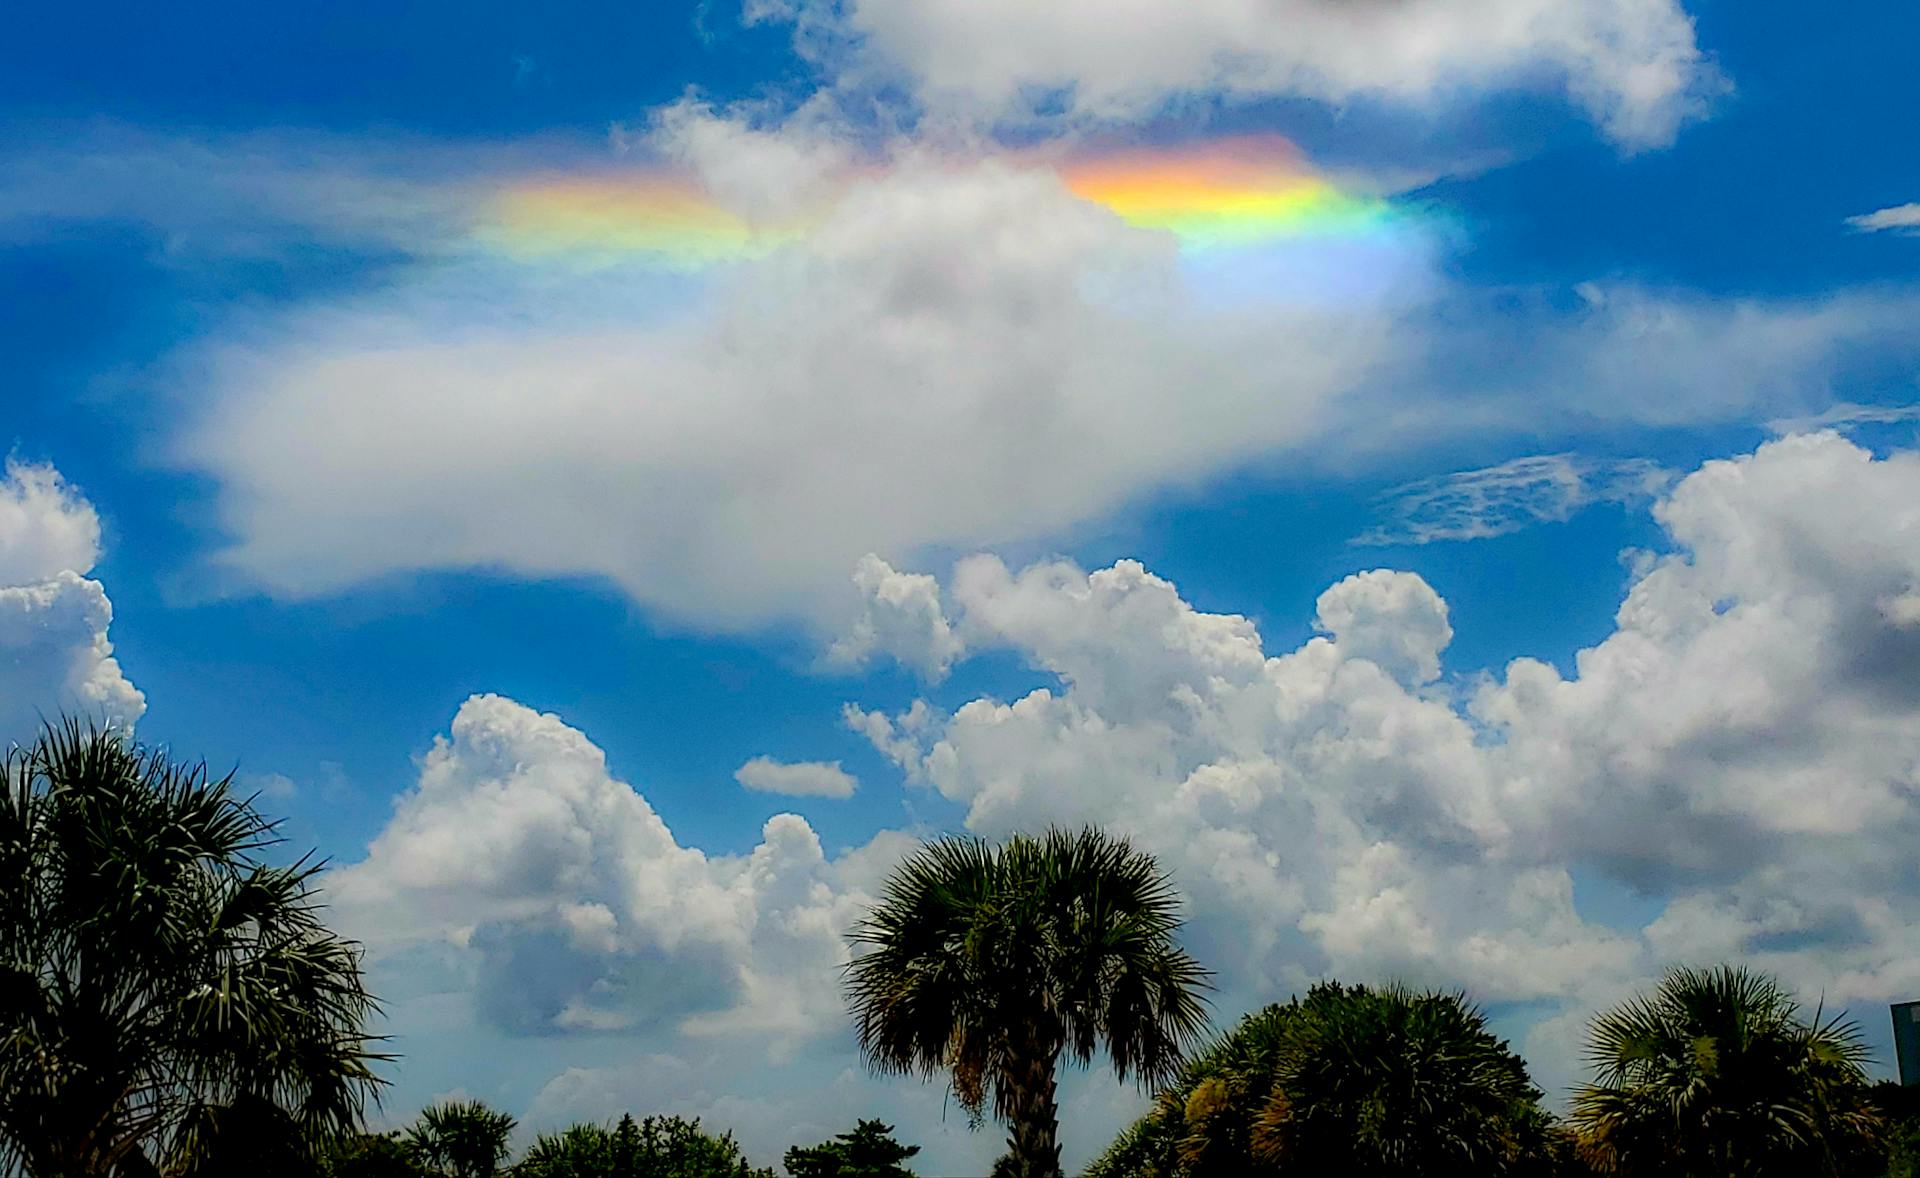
(1033, 1129)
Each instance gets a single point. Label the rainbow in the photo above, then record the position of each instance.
(1211, 195)
(1229, 192)
(669, 218)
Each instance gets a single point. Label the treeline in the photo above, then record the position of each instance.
(466, 1139)
(1714, 1074)
(172, 1006)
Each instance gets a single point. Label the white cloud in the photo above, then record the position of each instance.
(1898, 219)
(1634, 65)
(1844, 415)
(577, 907)
(1393, 620)
(524, 903)
(901, 617)
(1322, 809)
(1743, 743)
(800, 779)
(276, 787)
(1758, 692)
(46, 528)
(959, 355)
(1516, 494)
(896, 737)
(54, 652)
(1648, 356)
(766, 175)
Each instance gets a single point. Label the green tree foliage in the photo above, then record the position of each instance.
(1716, 1073)
(373, 1155)
(988, 963)
(246, 1138)
(461, 1139)
(656, 1147)
(870, 1151)
(168, 1001)
(1900, 1109)
(1348, 1080)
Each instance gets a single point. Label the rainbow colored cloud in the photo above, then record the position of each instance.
(1225, 193)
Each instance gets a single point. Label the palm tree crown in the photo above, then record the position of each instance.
(159, 981)
(1361, 1080)
(1716, 1073)
(461, 1139)
(988, 963)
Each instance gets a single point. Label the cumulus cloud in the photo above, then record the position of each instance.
(1756, 697)
(1323, 810)
(959, 355)
(523, 902)
(575, 905)
(1393, 620)
(901, 617)
(895, 737)
(800, 779)
(1516, 494)
(1896, 219)
(54, 652)
(1742, 743)
(46, 528)
(1634, 65)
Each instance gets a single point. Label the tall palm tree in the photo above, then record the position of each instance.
(461, 1139)
(1716, 1073)
(155, 974)
(989, 963)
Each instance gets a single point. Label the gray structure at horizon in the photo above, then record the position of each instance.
(1906, 1041)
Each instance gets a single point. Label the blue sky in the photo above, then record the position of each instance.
(349, 457)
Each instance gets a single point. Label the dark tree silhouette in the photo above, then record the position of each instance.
(162, 989)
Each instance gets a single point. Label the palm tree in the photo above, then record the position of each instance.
(372, 1155)
(1375, 1081)
(1718, 1074)
(1386, 1081)
(988, 963)
(158, 981)
(461, 1139)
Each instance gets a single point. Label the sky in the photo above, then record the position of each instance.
(1441, 476)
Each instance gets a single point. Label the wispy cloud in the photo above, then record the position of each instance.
(1496, 500)
(1843, 415)
(1902, 219)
